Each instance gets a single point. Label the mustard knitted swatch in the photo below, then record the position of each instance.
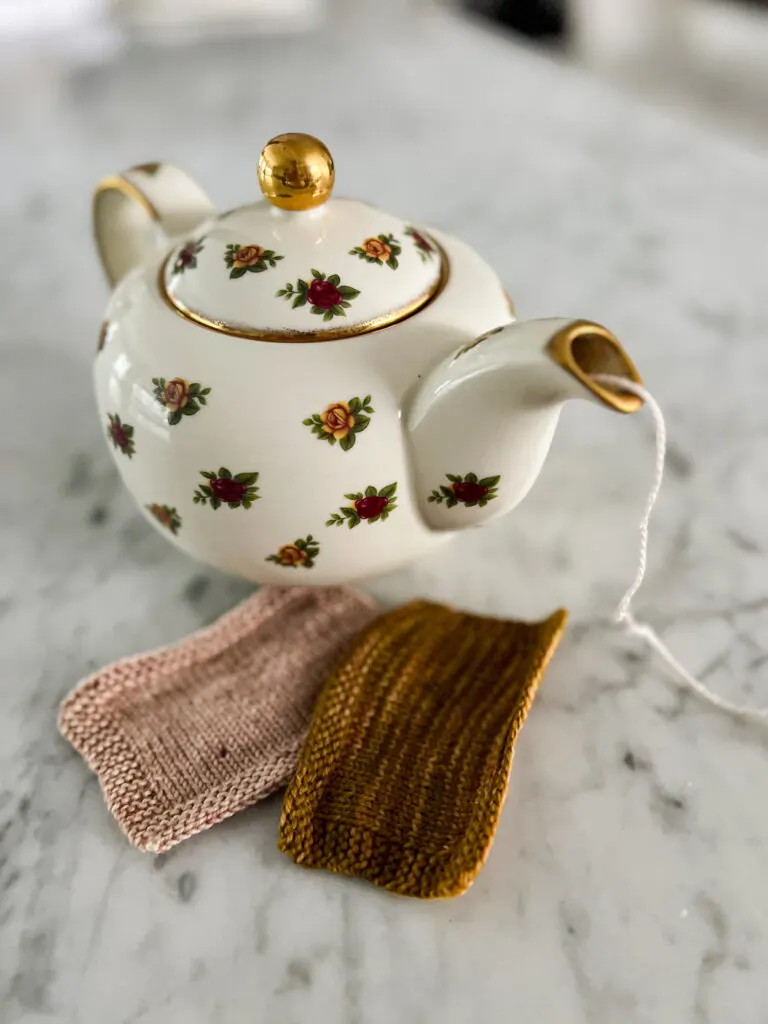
(184, 737)
(405, 769)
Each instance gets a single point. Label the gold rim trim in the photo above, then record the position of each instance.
(586, 349)
(367, 327)
(116, 183)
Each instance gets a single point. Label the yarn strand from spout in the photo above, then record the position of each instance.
(624, 615)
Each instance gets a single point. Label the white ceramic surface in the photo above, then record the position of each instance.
(321, 239)
(436, 428)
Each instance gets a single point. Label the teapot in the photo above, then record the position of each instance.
(308, 390)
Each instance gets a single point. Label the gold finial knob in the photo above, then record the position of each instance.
(296, 172)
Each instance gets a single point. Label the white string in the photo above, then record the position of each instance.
(623, 615)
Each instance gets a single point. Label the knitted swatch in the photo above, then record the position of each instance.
(405, 768)
(184, 737)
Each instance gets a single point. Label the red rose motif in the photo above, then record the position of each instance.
(119, 435)
(369, 508)
(186, 255)
(421, 241)
(468, 491)
(323, 294)
(228, 490)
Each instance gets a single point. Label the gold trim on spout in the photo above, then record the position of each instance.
(585, 350)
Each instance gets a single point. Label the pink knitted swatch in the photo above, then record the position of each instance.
(184, 737)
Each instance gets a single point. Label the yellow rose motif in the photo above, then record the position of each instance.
(166, 515)
(299, 555)
(341, 422)
(337, 420)
(290, 554)
(247, 255)
(376, 248)
(175, 394)
(161, 513)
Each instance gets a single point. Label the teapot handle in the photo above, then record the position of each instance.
(135, 214)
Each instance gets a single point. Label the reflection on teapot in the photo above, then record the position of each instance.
(309, 390)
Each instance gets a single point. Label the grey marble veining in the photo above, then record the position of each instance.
(627, 882)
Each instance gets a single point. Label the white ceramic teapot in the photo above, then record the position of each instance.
(309, 390)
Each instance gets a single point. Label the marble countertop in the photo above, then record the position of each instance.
(628, 878)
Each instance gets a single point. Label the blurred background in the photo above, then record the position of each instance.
(708, 57)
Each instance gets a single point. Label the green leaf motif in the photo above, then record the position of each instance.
(300, 554)
(177, 390)
(299, 295)
(375, 254)
(424, 247)
(336, 412)
(267, 259)
(246, 491)
(479, 493)
(120, 435)
(166, 515)
(187, 257)
(364, 508)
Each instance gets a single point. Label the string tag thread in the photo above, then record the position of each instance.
(624, 616)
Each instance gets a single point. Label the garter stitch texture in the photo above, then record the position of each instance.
(184, 737)
(406, 765)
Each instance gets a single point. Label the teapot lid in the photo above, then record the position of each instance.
(298, 265)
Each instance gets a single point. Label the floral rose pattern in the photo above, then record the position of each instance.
(424, 247)
(466, 490)
(179, 397)
(253, 259)
(225, 488)
(381, 249)
(372, 506)
(302, 552)
(341, 421)
(187, 258)
(327, 296)
(166, 515)
(121, 435)
(103, 332)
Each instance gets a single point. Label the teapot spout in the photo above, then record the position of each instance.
(481, 422)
